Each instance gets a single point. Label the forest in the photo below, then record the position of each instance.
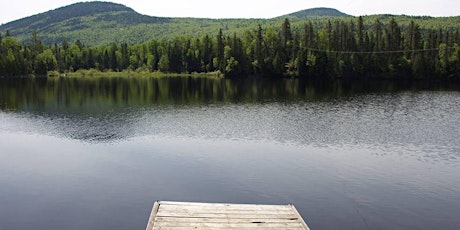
(340, 48)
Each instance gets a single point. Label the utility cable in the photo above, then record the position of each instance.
(378, 52)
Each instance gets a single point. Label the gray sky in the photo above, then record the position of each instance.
(17, 9)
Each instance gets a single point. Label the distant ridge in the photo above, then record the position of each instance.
(102, 23)
(78, 16)
(78, 10)
(317, 12)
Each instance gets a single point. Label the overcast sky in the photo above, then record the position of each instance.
(17, 9)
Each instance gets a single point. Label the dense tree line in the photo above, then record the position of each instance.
(338, 49)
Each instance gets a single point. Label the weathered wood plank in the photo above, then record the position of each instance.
(229, 225)
(196, 211)
(185, 215)
(222, 220)
(243, 208)
(232, 216)
(302, 221)
(219, 204)
(153, 214)
(209, 228)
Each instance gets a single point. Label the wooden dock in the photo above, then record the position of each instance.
(168, 215)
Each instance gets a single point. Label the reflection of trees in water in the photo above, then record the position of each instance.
(107, 108)
(99, 93)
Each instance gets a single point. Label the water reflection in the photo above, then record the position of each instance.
(92, 94)
(108, 109)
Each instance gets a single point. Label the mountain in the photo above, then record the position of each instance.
(89, 19)
(101, 23)
(73, 16)
(317, 12)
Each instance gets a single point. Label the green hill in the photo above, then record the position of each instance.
(91, 22)
(101, 23)
(73, 16)
(316, 13)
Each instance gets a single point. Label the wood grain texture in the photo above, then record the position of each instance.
(185, 215)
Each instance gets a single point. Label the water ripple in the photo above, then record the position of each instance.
(422, 123)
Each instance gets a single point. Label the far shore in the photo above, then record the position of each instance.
(129, 73)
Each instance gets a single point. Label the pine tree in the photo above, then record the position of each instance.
(360, 33)
(259, 59)
(113, 57)
(308, 35)
(286, 40)
(220, 52)
(124, 56)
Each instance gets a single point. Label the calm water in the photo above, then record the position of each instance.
(95, 153)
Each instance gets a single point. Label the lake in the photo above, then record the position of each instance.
(96, 152)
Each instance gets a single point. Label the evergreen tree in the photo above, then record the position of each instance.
(113, 57)
(286, 40)
(220, 52)
(259, 59)
(124, 56)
